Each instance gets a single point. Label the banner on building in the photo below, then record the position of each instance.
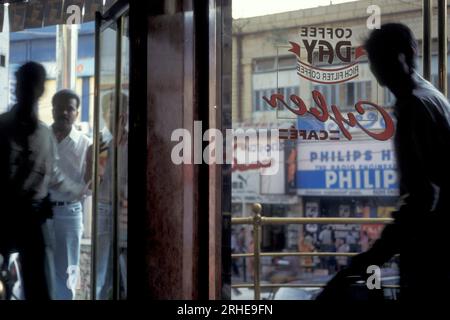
(255, 155)
(354, 168)
(247, 178)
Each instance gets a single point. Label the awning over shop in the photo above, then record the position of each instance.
(40, 13)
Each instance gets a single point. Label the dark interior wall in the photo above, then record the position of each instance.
(176, 233)
(165, 180)
(226, 78)
(179, 231)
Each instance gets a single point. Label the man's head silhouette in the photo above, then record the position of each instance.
(30, 83)
(392, 51)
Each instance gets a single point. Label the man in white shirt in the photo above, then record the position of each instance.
(67, 211)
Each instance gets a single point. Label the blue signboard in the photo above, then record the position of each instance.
(347, 168)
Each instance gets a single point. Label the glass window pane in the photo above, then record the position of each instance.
(104, 214)
(122, 161)
(350, 93)
(257, 100)
(368, 93)
(264, 64)
(317, 178)
(286, 62)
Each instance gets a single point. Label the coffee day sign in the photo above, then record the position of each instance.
(321, 110)
(332, 45)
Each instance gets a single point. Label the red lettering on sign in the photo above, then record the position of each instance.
(321, 113)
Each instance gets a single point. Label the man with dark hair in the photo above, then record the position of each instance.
(422, 144)
(28, 169)
(66, 94)
(67, 222)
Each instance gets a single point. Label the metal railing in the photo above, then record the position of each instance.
(258, 221)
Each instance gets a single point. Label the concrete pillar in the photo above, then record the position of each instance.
(66, 55)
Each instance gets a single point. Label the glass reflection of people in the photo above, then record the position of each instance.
(422, 142)
(326, 239)
(105, 196)
(28, 168)
(307, 245)
(364, 241)
(251, 249)
(242, 248)
(67, 219)
(342, 247)
(122, 167)
(292, 168)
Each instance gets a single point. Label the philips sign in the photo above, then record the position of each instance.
(346, 169)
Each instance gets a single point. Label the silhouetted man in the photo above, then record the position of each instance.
(28, 157)
(422, 144)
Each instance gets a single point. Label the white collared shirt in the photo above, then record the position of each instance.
(72, 161)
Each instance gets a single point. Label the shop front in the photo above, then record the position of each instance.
(353, 179)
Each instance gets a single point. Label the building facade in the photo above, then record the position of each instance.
(40, 45)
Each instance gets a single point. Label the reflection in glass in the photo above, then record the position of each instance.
(122, 161)
(330, 178)
(104, 214)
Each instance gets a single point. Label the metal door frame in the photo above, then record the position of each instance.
(113, 16)
(427, 17)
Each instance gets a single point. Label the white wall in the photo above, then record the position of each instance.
(4, 73)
